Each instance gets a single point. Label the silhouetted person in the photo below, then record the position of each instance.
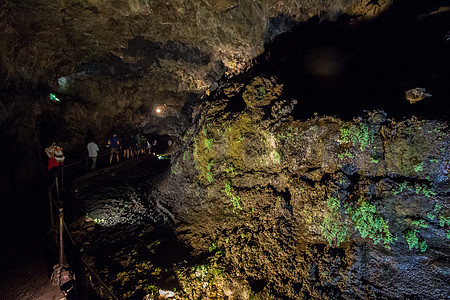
(55, 159)
(113, 142)
(143, 142)
(133, 146)
(138, 144)
(127, 150)
(154, 144)
(93, 150)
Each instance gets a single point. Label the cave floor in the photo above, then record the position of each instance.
(26, 276)
(27, 260)
(121, 229)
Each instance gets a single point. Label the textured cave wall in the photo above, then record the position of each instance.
(272, 207)
(320, 208)
(47, 39)
(112, 62)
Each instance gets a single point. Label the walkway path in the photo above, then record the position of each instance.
(25, 259)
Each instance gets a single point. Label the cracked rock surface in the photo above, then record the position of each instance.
(256, 204)
(320, 208)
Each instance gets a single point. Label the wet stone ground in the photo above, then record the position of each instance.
(125, 235)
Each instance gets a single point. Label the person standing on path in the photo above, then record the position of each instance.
(127, 147)
(113, 142)
(93, 150)
(55, 159)
(154, 144)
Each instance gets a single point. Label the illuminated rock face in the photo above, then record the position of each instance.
(45, 40)
(256, 204)
(318, 208)
(111, 63)
(121, 58)
(282, 203)
(272, 199)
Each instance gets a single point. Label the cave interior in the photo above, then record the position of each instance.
(283, 159)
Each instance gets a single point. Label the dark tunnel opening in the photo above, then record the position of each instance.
(341, 69)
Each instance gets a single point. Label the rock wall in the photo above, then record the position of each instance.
(46, 39)
(112, 63)
(123, 58)
(319, 208)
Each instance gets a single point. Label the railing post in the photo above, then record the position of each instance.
(61, 239)
(50, 200)
(57, 187)
(62, 176)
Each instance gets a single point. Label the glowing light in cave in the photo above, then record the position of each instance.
(54, 98)
(158, 110)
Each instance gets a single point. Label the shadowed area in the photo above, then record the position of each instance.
(288, 149)
(341, 68)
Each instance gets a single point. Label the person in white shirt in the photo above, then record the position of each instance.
(93, 149)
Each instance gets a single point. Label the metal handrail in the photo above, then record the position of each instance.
(89, 267)
(62, 226)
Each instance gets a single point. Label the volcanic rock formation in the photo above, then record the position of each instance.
(299, 169)
(111, 63)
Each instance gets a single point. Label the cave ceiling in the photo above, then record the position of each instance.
(114, 62)
(139, 54)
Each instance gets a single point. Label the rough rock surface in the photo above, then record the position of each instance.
(113, 62)
(320, 208)
(257, 205)
(47, 39)
(261, 205)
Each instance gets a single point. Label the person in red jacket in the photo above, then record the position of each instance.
(55, 158)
